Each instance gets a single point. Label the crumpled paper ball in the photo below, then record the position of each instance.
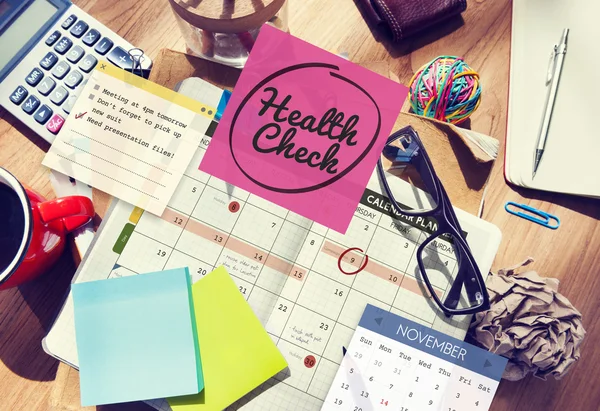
(530, 323)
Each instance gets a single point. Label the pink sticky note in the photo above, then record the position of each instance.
(304, 128)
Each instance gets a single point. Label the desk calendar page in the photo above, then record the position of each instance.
(393, 363)
(294, 273)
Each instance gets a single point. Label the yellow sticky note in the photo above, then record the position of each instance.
(237, 353)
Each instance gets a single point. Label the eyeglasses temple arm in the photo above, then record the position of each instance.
(471, 284)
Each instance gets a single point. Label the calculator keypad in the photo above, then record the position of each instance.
(88, 63)
(91, 37)
(79, 28)
(63, 45)
(52, 38)
(19, 95)
(61, 70)
(34, 77)
(55, 124)
(69, 21)
(68, 105)
(103, 46)
(119, 57)
(67, 53)
(75, 54)
(59, 95)
(43, 114)
(73, 79)
(46, 86)
(30, 104)
(49, 61)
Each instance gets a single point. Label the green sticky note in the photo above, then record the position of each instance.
(136, 338)
(237, 353)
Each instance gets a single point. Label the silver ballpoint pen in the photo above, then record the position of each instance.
(556, 64)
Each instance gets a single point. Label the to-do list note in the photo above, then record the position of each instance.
(130, 137)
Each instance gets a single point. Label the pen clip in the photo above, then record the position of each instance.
(551, 63)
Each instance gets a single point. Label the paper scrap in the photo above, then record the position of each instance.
(304, 128)
(237, 353)
(136, 338)
(130, 137)
(537, 328)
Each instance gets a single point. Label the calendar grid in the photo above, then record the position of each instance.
(383, 263)
(348, 294)
(287, 272)
(309, 309)
(311, 271)
(268, 253)
(393, 367)
(296, 303)
(216, 228)
(224, 192)
(184, 226)
(223, 248)
(414, 253)
(165, 245)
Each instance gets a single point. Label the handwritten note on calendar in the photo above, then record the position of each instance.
(130, 137)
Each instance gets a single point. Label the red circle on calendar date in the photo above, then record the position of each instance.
(362, 267)
(310, 361)
(234, 206)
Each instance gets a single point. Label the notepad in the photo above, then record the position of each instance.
(130, 137)
(237, 353)
(136, 338)
(570, 159)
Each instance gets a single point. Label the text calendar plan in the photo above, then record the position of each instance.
(286, 266)
(396, 364)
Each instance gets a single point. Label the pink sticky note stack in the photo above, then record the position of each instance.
(304, 128)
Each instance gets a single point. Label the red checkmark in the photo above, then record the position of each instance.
(78, 116)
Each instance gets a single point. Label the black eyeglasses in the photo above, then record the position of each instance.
(445, 260)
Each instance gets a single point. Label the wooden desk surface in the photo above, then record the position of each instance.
(31, 380)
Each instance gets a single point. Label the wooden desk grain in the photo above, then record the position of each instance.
(31, 380)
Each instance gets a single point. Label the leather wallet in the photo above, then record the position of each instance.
(403, 18)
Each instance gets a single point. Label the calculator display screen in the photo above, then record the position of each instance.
(23, 27)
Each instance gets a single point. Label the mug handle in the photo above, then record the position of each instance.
(74, 211)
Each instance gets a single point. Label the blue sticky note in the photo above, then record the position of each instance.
(136, 338)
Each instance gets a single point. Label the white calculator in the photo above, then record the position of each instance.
(48, 50)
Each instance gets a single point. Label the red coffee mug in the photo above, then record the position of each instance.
(33, 230)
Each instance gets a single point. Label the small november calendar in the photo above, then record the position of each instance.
(393, 363)
(307, 284)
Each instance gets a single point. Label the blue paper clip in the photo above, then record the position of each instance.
(544, 218)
